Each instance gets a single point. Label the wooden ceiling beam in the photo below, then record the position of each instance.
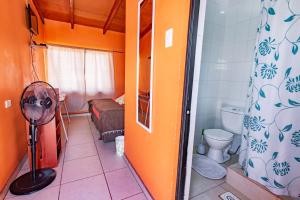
(146, 30)
(72, 13)
(143, 4)
(112, 14)
(38, 8)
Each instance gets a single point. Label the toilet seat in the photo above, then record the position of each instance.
(218, 134)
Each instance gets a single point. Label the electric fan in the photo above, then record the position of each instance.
(38, 103)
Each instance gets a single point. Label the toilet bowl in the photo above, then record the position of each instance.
(219, 140)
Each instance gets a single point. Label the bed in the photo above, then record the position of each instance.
(108, 117)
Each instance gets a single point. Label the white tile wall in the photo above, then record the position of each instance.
(227, 55)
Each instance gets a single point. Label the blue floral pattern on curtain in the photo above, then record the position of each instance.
(270, 152)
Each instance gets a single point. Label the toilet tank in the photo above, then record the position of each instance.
(232, 119)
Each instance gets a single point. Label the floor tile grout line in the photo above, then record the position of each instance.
(79, 129)
(74, 145)
(214, 187)
(99, 159)
(231, 191)
(82, 158)
(220, 184)
(135, 178)
(132, 195)
(71, 145)
(80, 179)
(81, 134)
(98, 149)
(63, 153)
(62, 167)
(101, 163)
(107, 172)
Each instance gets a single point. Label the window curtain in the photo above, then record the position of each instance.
(99, 74)
(270, 152)
(81, 75)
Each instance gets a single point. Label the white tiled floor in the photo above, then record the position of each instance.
(89, 170)
(202, 188)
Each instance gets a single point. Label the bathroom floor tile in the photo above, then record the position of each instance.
(81, 168)
(57, 179)
(77, 128)
(233, 159)
(78, 121)
(105, 147)
(78, 124)
(140, 196)
(79, 172)
(229, 188)
(93, 188)
(75, 139)
(122, 184)
(80, 151)
(61, 157)
(109, 159)
(212, 194)
(200, 184)
(25, 165)
(78, 131)
(95, 132)
(45, 194)
(138, 180)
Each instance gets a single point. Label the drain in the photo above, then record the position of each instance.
(228, 196)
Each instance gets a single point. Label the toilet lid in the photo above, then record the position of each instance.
(218, 134)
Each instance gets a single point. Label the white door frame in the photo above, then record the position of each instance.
(194, 101)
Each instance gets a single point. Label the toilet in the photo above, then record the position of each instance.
(219, 140)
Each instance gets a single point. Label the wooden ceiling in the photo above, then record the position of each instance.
(145, 17)
(104, 14)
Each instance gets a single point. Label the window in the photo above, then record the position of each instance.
(81, 75)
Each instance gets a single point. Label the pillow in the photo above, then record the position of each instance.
(120, 100)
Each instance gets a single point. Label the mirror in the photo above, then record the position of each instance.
(145, 63)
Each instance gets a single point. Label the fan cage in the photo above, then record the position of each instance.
(48, 86)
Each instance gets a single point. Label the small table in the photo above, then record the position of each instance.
(62, 100)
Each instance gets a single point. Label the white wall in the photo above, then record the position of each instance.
(227, 54)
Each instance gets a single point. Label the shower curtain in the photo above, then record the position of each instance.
(270, 152)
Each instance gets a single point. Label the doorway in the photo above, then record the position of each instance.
(222, 35)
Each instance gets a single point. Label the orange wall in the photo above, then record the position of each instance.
(155, 155)
(60, 33)
(15, 73)
(119, 72)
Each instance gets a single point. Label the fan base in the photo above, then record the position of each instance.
(25, 184)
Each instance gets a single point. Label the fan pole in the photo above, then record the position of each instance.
(33, 148)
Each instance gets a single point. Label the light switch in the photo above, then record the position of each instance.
(169, 38)
(7, 103)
